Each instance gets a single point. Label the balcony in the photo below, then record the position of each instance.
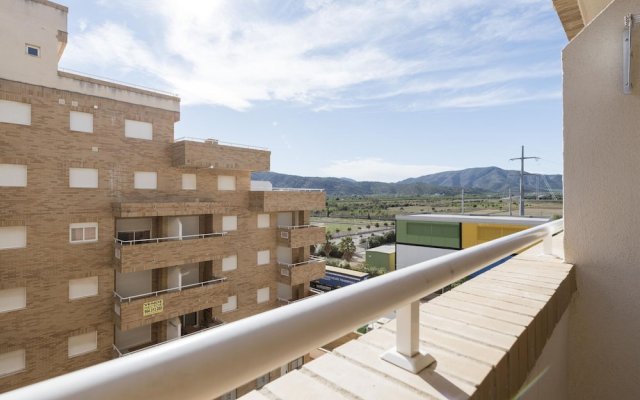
(283, 199)
(145, 254)
(300, 236)
(210, 153)
(295, 274)
(131, 209)
(132, 312)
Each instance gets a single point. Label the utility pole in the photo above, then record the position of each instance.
(510, 214)
(522, 158)
(462, 210)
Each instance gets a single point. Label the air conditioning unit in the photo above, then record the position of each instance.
(284, 271)
(284, 235)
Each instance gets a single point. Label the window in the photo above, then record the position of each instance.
(188, 181)
(138, 129)
(261, 381)
(13, 175)
(263, 220)
(263, 295)
(83, 178)
(231, 304)
(32, 50)
(83, 287)
(229, 223)
(145, 180)
(296, 364)
(230, 263)
(226, 182)
(82, 344)
(13, 299)
(83, 232)
(264, 257)
(81, 122)
(13, 237)
(12, 362)
(13, 112)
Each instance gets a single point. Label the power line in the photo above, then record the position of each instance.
(522, 158)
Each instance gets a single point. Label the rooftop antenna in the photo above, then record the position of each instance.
(522, 158)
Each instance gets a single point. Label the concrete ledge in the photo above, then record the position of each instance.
(485, 335)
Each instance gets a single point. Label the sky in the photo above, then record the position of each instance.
(379, 90)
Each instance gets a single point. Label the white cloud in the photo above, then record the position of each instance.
(377, 169)
(322, 54)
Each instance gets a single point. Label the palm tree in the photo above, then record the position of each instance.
(347, 247)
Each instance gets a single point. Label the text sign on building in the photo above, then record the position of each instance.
(152, 307)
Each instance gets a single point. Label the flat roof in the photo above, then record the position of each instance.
(477, 219)
(385, 248)
(345, 271)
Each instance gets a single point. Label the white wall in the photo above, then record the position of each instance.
(190, 225)
(601, 181)
(13, 175)
(284, 255)
(173, 328)
(284, 291)
(407, 255)
(285, 219)
(133, 283)
(190, 274)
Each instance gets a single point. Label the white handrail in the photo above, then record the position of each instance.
(216, 141)
(298, 226)
(312, 259)
(168, 239)
(208, 365)
(117, 82)
(128, 299)
(296, 190)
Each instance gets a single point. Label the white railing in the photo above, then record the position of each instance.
(296, 190)
(211, 364)
(311, 260)
(123, 353)
(128, 299)
(298, 226)
(168, 239)
(218, 142)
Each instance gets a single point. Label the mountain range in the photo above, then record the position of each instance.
(473, 180)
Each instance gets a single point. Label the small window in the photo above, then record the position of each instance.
(82, 344)
(13, 112)
(138, 129)
(263, 380)
(83, 232)
(263, 220)
(13, 237)
(231, 304)
(229, 223)
(263, 295)
(13, 175)
(226, 182)
(81, 122)
(12, 362)
(229, 395)
(145, 180)
(264, 257)
(230, 263)
(83, 287)
(188, 181)
(13, 299)
(83, 178)
(32, 50)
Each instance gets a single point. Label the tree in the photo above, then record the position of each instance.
(347, 247)
(327, 243)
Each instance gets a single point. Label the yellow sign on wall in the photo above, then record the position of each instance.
(152, 307)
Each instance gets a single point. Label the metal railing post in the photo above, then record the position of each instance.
(407, 354)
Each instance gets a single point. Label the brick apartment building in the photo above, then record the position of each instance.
(113, 236)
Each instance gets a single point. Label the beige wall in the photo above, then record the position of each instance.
(602, 193)
(591, 8)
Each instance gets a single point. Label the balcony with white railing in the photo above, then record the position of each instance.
(485, 336)
(264, 198)
(301, 272)
(147, 308)
(145, 254)
(211, 153)
(300, 235)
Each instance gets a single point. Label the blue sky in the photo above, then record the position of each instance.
(370, 89)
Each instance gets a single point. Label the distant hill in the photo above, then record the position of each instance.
(474, 180)
(491, 179)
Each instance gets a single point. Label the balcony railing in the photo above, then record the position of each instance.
(218, 142)
(168, 239)
(213, 363)
(311, 260)
(157, 293)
